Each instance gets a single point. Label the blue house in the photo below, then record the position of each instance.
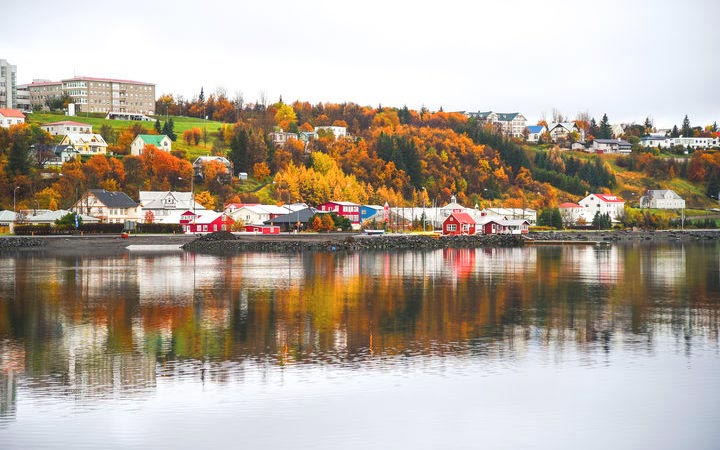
(369, 212)
(534, 132)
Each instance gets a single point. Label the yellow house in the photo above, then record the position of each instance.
(86, 143)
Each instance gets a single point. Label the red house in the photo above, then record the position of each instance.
(205, 222)
(262, 229)
(458, 223)
(345, 209)
(505, 226)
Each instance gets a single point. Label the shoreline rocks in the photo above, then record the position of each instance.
(18, 243)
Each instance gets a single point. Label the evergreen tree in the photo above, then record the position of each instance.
(201, 97)
(686, 128)
(158, 128)
(556, 221)
(168, 129)
(605, 131)
(594, 129)
(714, 127)
(648, 125)
(238, 154)
(675, 132)
(19, 158)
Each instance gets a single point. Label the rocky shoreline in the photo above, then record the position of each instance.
(224, 242)
(21, 243)
(620, 236)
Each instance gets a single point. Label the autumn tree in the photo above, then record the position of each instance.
(205, 199)
(261, 171)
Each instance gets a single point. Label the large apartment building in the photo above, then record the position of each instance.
(8, 85)
(512, 124)
(98, 94)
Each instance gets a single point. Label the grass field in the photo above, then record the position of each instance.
(181, 123)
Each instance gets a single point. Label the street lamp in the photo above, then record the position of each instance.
(15, 192)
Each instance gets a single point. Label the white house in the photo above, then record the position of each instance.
(279, 138)
(570, 213)
(108, 206)
(603, 204)
(66, 127)
(160, 141)
(338, 132)
(534, 132)
(86, 143)
(610, 146)
(10, 117)
(165, 204)
(562, 130)
(617, 130)
(662, 199)
(258, 214)
(684, 142)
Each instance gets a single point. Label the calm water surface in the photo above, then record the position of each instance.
(554, 347)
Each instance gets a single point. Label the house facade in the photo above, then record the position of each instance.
(612, 205)
(562, 130)
(280, 137)
(345, 209)
(535, 132)
(611, 146)
(570, 213)
(164, 204)
(511, 124)
(108, 206)
(205, 222)
(86, 143)
(458, 223)
(200, 163)
(662, 199)
(66, 127)
(685, 142)
(10, 117)
(257, 214)
(159, 141)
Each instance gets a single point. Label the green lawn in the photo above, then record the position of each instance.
(181, 123)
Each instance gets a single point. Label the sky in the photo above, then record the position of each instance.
(628, 58)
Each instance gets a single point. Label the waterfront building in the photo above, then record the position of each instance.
(108, 206)
(611, 205)
(458, 223)
(662, 199)
(345, 209)
(165, 204)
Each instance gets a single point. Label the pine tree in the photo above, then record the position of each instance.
(675, 132)
(556, 219)
(648, 125)
(594, 129)
(686, 128)
(19, 157)
(605, 131)
(201, 97)
(168, 129)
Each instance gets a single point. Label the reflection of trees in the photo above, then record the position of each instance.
(95, 321)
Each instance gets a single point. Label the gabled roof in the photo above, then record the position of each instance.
(662, 193)
(507, 117)
(12, 113)
(85, 138)
(607, 198)
(341, 203)
(304, 216)
(114, 199)
(206, 159)
(152, 139)
(535, 128)
(156, 200)
(462, 218)
(65, 122)
(569, 126)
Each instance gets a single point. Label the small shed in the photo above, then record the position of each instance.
(262, 229)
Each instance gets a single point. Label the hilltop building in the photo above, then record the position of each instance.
(511, 124)
(8, 85)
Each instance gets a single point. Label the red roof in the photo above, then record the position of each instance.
(462, 218)
(12, 113)
(568, 205)
(609, 198)
(43, 83)
(65, 122)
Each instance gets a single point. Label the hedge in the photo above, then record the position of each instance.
(158, 228)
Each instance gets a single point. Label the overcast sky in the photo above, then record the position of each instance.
(628, 58)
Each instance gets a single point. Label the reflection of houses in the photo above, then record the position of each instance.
(662, 199)
(108, 206)
(167, 203)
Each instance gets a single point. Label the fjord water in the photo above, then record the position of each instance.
(549, 347)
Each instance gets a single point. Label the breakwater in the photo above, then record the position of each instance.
(224, 242)
(17, 243)
(620, 236)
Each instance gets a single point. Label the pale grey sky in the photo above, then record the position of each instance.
(628, 58)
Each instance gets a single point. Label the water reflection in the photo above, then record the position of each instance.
(111, 327)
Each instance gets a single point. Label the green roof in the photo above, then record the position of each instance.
(153, 139)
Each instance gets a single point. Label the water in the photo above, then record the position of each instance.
(552, 347)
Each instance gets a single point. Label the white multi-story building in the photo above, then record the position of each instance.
(108, 206)
(612, 205)
(8, 85)
(164, 204)
(511, 124)
(662, 199)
